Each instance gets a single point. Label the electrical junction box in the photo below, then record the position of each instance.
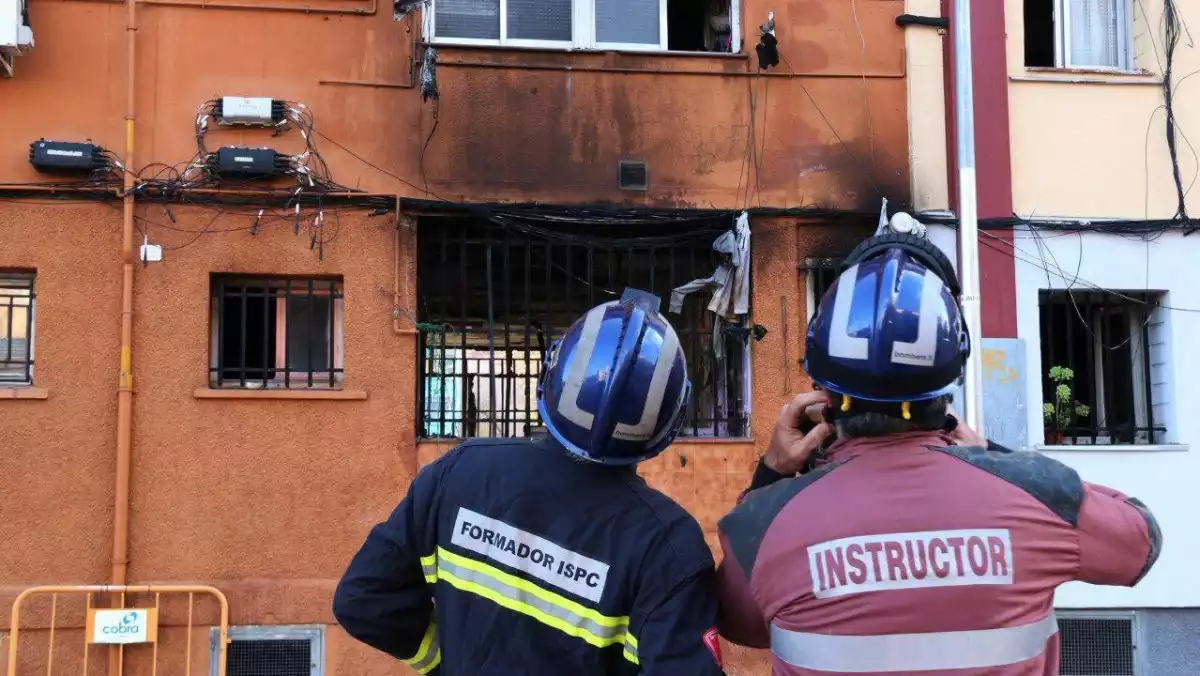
(257, 111)
(235, 162)
(62, 157)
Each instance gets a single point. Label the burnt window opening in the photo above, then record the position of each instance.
(822, 273)
(17, 299)
(1114, 345)
(699, 26)
(276, 332)
(537, 287)
(1039, 34)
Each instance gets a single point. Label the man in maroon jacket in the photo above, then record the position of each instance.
(910, 545)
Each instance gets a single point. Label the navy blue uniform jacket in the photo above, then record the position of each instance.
(512, 557)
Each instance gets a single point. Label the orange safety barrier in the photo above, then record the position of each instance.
(117, 627)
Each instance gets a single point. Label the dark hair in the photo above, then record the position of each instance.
(926, 415)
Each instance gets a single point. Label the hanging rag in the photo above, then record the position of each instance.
(730, 282)
(429, 88)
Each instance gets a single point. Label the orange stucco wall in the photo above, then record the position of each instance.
(268, 499)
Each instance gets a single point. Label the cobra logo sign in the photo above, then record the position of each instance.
(121, 626)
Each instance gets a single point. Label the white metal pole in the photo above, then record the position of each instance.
(968, 229)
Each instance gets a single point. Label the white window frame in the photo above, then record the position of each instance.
(315, 635)
(293, 381)
(583, 31)
(1062, 39)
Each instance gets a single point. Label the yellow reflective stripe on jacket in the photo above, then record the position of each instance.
(522, 596)
(429, 567)
(429, 653)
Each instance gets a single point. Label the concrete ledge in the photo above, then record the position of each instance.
(24, 393)
(335, 395)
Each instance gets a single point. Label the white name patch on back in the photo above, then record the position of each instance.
(531, 554)
(945, 558)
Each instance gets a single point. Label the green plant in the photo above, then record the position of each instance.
(1065, 409)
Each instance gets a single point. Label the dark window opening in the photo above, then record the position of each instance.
(1117, 371)
(481, 381)
(276, 332)
(16, 328)
(1039, 34)
(699, 26)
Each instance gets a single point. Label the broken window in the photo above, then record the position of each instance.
(651, 25)
(492, 299)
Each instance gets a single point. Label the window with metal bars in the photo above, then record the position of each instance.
(272, 651)
(16, 328)
(276, 332)
(492, 300)
(1114, 347)
(822, 273)
(1097, 645)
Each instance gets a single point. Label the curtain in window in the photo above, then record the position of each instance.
(627, 21)
(539, 20)
(1097, 34)
(467, 19)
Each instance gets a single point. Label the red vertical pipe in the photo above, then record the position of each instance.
(993, 160)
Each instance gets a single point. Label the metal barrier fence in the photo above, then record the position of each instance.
(118, 626)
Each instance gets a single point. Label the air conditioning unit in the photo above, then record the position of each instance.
(15, 34)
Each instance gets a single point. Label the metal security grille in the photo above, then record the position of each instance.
(275, 651)
(1096, 646)
(1104, 339)
(276, 332)
(492, 300)
(16, 328)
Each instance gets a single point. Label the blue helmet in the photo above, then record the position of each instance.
(614, 389)
(890, 328)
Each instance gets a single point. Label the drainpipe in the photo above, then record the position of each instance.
(120, 554)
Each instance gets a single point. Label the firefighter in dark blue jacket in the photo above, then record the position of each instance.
(552, 557)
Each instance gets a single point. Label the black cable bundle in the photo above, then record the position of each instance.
(1172, 32)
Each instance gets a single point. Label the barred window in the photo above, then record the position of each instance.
(491, 300)
(1108, 349)
(271, 651)
(16, 328)
(276, 332)
(821, 274)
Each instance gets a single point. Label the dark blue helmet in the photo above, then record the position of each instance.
(614, 389)
(890, 328)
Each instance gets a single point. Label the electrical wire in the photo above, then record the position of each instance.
(866, 90)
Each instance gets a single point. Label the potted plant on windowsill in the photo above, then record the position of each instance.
(1062, 412)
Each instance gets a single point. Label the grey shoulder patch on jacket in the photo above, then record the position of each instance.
(747, 524)
(1050, 482)
(1156, 537)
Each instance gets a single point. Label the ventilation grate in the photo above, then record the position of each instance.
(632, 175)
(1096, 646)
(276, 657)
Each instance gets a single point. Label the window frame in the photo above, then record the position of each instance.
(1149, 429)
(29, 276)
(1062, 40)
(583, 33)
(298, 380)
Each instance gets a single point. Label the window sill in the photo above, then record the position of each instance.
(1088, 76)
(1114, 448)
(329, 395)
(550, 49)
(24, 393)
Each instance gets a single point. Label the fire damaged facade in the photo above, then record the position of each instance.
(264, 261)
